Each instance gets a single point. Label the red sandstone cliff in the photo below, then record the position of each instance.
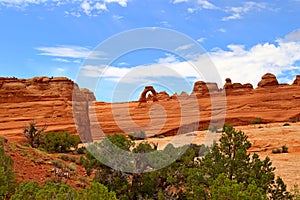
(41, 99)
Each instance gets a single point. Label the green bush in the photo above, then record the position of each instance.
(57, 191)
(50, 191)
(256, 121)
(7, 175)
(286, 124)
(96, 191)
(65, 157)
(59, 142)
(138, 136)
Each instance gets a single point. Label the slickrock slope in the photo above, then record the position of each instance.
(47, 101)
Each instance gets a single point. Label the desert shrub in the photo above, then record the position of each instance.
(73, 159)
(72, 166)
(286, 124)
(81, 150)
(285, 149)
(96, 191)
(58, 163)
(26, 190)
(50, 191)
(65, 157)
(138, 136)
(34, 134)
(7, 175)
(256, 121)
(60, 142)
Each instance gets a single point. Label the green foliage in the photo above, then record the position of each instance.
(65, 157)
(120, 141)
(295, 192)
(96, 191)
(226, 189)
(50, 191)
(224, 171)
(278, 191)
(33, 134)
(138, 136)
(256, 121)
(26, 190)
(59, 142)
(7, 175)
(231, 159)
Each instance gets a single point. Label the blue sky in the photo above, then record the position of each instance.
(244, 39)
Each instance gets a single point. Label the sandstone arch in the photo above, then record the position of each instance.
(147, 89)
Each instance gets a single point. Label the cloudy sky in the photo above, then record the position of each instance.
(243, 40)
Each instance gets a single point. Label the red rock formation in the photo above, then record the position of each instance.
(147, 89)
(49, 101)
(297, 80)
(268, 80)
(230, 86)
(43, 100)
(161, 96)
(202, 88)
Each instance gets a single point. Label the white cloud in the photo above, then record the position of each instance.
(65, 51)
(184, 47)
(232, 17)
(222, 30)
(200, 5)
(72, 13)
(100, 6)
(61, 60)
(238, 12)
(122, 3)
(117, 17)
(123, 64)
(236, 62)
(191, 10)
(88, 7)
(249, 65)
(179, 1)
(202, 39)
(168, 66)
(207, 5)
(293, 36)
(165, 23)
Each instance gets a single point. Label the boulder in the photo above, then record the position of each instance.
(228, 84)
(202, 88)
(268, 80)
(233, 86)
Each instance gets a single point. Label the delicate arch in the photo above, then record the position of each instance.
(147, 89)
